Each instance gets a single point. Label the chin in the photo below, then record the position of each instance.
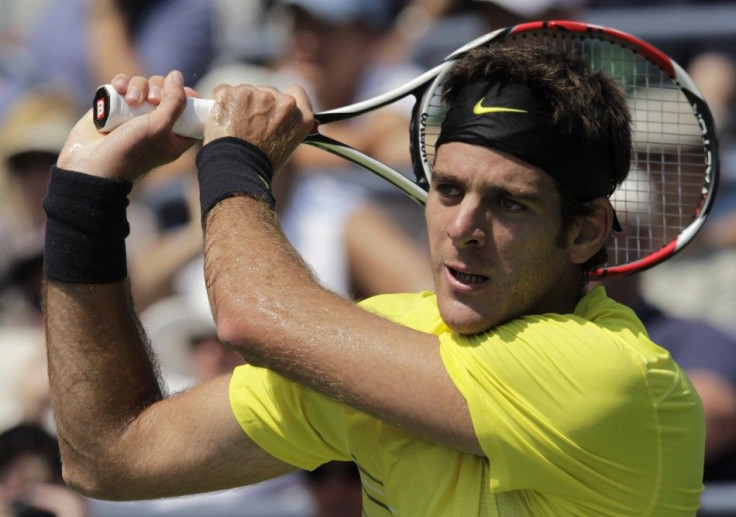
(463, 319)
(469, 328)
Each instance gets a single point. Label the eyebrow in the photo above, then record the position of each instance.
(439, 176)
(518, 194)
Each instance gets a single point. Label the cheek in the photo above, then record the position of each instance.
(431, 221)
(536, 256)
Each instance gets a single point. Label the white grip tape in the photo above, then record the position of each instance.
(190, 123)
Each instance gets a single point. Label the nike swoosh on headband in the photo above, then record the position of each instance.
(479, 109)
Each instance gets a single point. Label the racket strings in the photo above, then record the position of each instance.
(665, 185)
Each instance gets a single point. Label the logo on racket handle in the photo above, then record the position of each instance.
(101, 107)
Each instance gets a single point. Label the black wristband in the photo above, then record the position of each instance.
(85, 228)
(230, 166)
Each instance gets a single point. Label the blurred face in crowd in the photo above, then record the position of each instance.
(31, 171)
(494, 228)
(329, 56)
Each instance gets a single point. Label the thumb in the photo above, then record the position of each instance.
(304, 105)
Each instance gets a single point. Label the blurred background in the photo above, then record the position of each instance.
(361, 236)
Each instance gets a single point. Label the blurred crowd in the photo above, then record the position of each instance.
(361, 236)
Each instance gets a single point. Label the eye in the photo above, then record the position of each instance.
(510, 205)
(448, 190)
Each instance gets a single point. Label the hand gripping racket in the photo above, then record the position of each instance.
(674, 167)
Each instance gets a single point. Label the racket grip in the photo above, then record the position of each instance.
(110, 111)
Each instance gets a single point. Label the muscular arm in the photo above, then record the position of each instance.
(268, 306)
(120, 439)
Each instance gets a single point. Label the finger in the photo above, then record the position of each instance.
(155, 88)
(296, 92)
(137, 90)
(302, 100)
(303, 104)
(120, 83)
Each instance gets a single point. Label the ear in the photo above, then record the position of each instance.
(591, 232)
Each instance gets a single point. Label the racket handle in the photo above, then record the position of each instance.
(111, 110)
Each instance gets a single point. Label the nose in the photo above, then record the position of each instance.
(467, 227)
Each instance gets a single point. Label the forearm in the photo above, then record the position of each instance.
(100, 373)
(119, 438)
(268, 307)
(267, 303)
(247, 285)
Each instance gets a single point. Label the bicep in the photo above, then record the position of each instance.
(190, 443)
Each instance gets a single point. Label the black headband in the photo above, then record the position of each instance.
(509, 117)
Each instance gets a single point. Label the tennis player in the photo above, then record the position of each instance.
(507, 391)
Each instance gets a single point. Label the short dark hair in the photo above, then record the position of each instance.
(583, 103)
(30, 439)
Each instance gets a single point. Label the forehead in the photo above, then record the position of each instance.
(481, 166)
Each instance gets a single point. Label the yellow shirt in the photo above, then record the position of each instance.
(578, 414)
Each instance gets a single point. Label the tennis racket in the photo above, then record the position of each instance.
(674, 168)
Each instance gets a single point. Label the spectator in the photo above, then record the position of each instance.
(79, 44)
(350, 200)
(31, 136)
(30, 476)
(450, 24)
(336, 489)
(24, 387)
(184, 337)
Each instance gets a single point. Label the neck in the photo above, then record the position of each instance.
(568, 291)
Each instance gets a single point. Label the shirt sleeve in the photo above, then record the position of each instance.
(292, 423)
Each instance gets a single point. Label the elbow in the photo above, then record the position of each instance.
(86, 481)
(96, 480)
(240, 329)
(228, 328)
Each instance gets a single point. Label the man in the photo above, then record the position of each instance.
(507, 392)
(332, 204)
(32, 133)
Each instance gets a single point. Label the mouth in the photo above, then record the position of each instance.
(466, 279)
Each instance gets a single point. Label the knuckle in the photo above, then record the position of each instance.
(220, 90)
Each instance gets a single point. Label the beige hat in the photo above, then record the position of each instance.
(39, 121)
(172, 324)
